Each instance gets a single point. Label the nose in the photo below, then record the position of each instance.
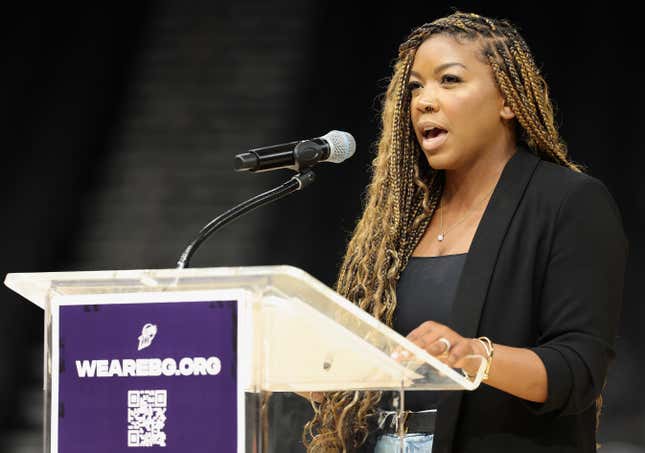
(425, 105)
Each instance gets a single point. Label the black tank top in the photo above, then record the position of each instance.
(426, 291)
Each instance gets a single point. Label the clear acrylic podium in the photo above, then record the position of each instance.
(142, 357)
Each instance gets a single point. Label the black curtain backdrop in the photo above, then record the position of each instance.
(67, 80)
(65, 77)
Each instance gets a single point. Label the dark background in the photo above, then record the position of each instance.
(121, 124)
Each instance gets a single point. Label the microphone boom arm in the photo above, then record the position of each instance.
(295, 183)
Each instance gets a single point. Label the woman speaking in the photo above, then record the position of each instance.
(481, 236)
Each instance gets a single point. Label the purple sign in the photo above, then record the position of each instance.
(162, 376)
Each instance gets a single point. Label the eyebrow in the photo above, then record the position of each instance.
(440, 68)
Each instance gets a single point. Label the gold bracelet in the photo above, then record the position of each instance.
(490, 350)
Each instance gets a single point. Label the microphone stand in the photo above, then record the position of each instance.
(295, 183)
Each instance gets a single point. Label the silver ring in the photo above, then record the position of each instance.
(446, 342)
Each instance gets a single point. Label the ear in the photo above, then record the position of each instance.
(506, 112)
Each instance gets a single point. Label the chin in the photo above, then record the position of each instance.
(440, 160)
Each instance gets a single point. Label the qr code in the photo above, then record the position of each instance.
(146, 418)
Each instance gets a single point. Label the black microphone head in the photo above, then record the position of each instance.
(341, 146)
(245, 161)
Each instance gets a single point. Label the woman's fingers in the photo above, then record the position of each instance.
(419, 331)
(458, 352)
(438, 343)
(441, 342)
(439, 347)
(445, 344)
(433, 337)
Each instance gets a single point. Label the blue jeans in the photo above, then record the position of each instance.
(412, 443)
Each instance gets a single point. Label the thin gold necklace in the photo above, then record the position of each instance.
(443, 232)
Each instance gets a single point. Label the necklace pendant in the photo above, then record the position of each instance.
(440, 237)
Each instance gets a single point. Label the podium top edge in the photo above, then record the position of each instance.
(34, 286)
(129, 273)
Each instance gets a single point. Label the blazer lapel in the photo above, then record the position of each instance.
(478, 269)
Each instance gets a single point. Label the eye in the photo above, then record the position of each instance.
(449, 78)
(413, 85)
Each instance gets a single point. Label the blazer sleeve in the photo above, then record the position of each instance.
(581, 298)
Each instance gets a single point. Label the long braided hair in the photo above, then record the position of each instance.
(405, 190)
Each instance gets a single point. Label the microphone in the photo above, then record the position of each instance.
(335, 146)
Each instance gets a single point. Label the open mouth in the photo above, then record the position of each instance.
(433, 132)
(433, 137)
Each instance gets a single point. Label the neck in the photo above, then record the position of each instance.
(467, 185)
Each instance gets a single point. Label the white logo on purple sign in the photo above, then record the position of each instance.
(147, 335)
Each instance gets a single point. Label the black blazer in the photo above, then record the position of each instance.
(545, 271)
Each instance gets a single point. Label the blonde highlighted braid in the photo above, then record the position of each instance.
(404, 193)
